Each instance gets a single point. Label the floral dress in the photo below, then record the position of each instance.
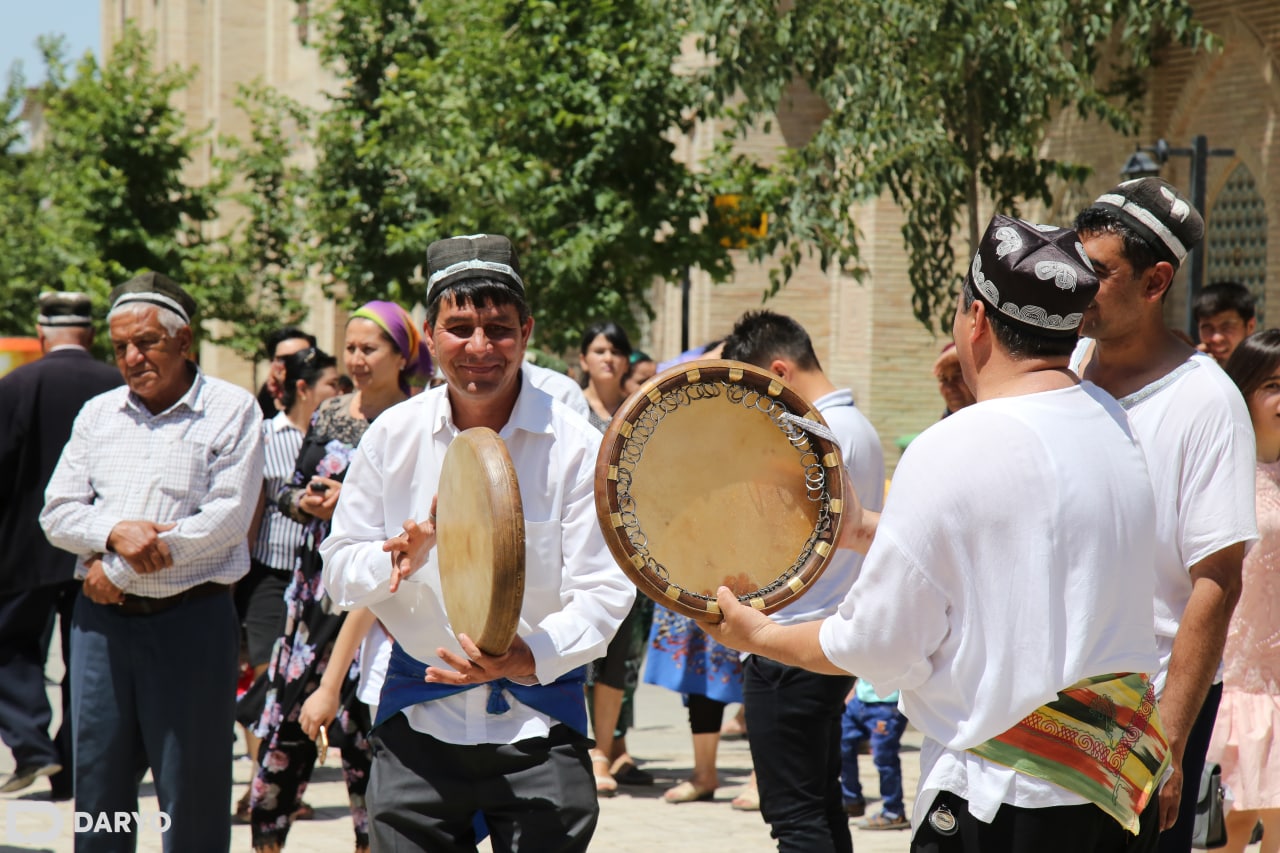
(684, 659)
(301, 654)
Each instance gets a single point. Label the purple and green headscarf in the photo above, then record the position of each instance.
(399, 326)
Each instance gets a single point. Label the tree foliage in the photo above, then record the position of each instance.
(552, 123)
(936, 102)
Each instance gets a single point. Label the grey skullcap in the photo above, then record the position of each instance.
(455, 259)
(1035, 276)
(153, 288)
(63, 308)
(1159, 213)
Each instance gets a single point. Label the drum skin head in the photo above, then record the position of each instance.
(480, 540)
(698, 486)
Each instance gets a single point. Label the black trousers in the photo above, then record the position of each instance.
(26, 628)
(793, 727)
(1177, 839)
(536, 796)
(1059, 829)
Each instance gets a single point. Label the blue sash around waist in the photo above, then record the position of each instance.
(405, 685)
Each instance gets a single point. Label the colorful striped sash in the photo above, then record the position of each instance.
(1101, 738)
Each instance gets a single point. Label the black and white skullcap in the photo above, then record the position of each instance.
(455, 259)
(153, 288)
(64, 308)
(1035, 276)
(1159, 213)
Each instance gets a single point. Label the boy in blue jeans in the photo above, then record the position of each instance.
(878, 720)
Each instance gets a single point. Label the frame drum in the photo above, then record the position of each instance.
(718, 473)
(480, 540)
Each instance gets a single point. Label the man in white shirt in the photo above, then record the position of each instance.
(1195, 430)
(462, 733)
(792, 715)
(154, 492)
(1007, 585)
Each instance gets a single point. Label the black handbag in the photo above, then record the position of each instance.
(1210, 830)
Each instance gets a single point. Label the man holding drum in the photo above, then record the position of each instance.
(793, 716)
(514, 749)
(1008, 584)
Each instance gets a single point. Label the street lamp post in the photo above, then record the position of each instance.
(1146, 162)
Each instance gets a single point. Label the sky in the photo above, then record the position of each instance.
(26, 20)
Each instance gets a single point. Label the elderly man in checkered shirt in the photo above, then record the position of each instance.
(155, 492)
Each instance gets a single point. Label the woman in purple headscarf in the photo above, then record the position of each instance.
(384, 350)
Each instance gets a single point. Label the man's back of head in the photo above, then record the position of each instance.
(760, 337)
(66, 319)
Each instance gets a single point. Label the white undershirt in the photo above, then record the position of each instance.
(1195, 429)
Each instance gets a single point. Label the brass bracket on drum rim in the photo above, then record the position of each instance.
(752, 388)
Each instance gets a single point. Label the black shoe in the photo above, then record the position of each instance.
(24, 776)
(856, 808)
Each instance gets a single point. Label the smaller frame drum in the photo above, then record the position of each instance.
(480, 540)
(718, 473)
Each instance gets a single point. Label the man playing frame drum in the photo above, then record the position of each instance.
(1006, 588)
(793, 716)
(461, 732)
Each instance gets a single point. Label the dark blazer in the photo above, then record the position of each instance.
(38, 403)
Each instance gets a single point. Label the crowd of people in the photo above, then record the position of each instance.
(1088, 462)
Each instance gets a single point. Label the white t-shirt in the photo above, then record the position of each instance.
(864, 459)
(575, 596)
(1014, 558)
(1194, 427)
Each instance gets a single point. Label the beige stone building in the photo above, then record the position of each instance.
(864, 331)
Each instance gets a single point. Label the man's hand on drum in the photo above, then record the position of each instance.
(409, 550)
(477, 667)
(741, 626)
(857, 524)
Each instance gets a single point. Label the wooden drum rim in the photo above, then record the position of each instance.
(665, 388)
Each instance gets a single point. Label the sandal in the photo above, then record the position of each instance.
(304, 812)
(606, 785)
(748, 800)
(884, 821)
(687, 792)
(625, 772)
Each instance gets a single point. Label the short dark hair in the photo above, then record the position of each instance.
(761, 336)
(1225, 296)
(1256, 358)
(613, 333)
(285, 333)
(1099, 220)
(1019, 341)
(305, 364)
(478, 292)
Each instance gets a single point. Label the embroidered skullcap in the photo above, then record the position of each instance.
(1159, 213)
(153, 288)
(1037, 277)
(60, 308)
(456, 259)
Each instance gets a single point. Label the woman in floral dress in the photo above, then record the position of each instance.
(383, 349)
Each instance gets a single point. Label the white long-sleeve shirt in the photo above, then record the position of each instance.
(575, 595)
(197, 464)
(1015, 556)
